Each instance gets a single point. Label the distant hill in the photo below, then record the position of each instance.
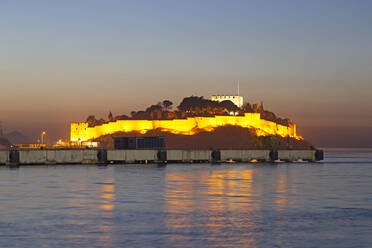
(17, 137)
(4, 143)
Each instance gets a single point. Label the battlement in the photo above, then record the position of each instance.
(188, 126)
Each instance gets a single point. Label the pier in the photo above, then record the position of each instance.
(102, 156)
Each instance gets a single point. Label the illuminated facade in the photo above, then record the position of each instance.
(189, 126)
(237, 100)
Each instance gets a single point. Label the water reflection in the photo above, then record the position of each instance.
(220, 203)
(281, 190)
(237, 205)
(108, 195)
(91, 206)
(107, 198)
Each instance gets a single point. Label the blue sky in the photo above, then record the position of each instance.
(62, 60)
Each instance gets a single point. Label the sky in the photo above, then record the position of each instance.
(311, 61)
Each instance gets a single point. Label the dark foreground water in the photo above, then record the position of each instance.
(325, 204)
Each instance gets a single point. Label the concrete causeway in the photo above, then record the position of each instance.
(102, 156)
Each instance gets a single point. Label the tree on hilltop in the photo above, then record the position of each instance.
(110, 117)
(91, 120)
(167, 104)
(199, 104)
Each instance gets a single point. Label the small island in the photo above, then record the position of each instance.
(196, 123)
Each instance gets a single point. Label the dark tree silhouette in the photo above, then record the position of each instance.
(110, 117)
(201, 105)
(192, 106)
(154, 108)
(121, 117)
(167, 104)
(229, 105)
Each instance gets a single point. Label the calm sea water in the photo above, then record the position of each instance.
(326, 204)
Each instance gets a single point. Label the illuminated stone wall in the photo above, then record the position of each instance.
(189, 126)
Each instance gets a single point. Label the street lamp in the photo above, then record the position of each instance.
(42, 137)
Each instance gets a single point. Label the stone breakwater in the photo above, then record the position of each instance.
(102, 156)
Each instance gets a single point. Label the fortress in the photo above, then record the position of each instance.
(187, 126)
(236, 99)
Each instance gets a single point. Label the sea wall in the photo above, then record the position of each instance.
(189, 155)
(88, 156)
(4, 156)
(293, 155)
(83, 156)
(188, 126)
(132, 156)
(245, 155)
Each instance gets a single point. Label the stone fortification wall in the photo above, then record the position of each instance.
(188, 126)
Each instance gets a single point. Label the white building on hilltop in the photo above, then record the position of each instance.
(237, 100)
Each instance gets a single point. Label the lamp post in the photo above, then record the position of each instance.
(42, 138)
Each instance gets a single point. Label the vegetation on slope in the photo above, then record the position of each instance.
(190, 107)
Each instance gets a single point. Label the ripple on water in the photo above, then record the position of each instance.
(285, 205)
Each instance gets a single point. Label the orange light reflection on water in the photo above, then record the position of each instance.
(103, 205)
(222, 191)
(106, 225)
